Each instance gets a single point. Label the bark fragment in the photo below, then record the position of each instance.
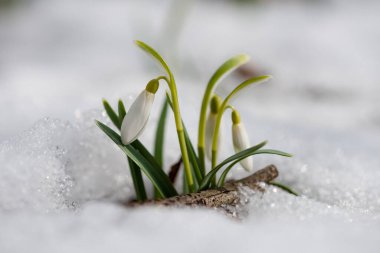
(214, 198)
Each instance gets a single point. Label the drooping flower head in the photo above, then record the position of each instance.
(240, 140)
(211, 123)
(138, 114)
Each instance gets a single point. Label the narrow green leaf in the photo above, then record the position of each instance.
(225, 172)
(145, 153)
(284, 187)
(261, 151)
(272, 152)
(148, 156)
(122, 112)
(160, 134)
(185, 187)
(226, 68)
(111, 114)
(159, 141)
(246, 83)
(149, 50)
(194, 161)
(138, 181)
(245, 153)
(158, 178)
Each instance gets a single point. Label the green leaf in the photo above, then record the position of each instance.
(160, 134)
(112, 114)
(138, 181)
(122, 112)
(225, 172)
(149, 50)
(148, 156)
(145, 153)
(241, 155)
(226, 68)
(272, 152)
(194, 161)
(185, 187)
(158, 178)
(246, 83)
(284, 187)
(261, 151)
(159, 141)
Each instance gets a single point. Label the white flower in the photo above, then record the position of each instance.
(138, 114)
(241, 141)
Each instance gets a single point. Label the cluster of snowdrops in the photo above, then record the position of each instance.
(196, 176)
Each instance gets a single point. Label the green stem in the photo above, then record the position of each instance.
(202, 126)
(214, 147)
(223, 107)
(181, 135)
(222, 71)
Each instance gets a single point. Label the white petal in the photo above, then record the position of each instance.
(241, 141)
(136, 117)
(210, 127)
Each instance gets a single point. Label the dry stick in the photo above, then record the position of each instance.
(174, 170)
(227, 195)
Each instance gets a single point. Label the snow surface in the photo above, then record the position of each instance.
(61, 178)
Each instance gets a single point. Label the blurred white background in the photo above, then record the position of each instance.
(61, 57)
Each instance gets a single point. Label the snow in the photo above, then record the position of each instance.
(56, 165)
(61, 179)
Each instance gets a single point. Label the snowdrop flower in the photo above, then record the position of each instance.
(138, 114)
(210, 125)
(240, 140)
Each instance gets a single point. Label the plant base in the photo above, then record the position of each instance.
(220, 197)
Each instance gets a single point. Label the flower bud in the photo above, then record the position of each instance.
(138, 114)
(240, 140)
(210, 125)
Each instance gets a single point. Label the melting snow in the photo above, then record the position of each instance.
(61, 178)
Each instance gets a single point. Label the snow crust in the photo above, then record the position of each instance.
(56, 165)
(61, 179)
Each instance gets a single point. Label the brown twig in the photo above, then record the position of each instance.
(227, 195)
(174, 170)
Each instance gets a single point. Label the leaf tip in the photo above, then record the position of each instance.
(105, 103)
(139, 43)
(97, 123)
(265, 78)
(244, 57)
